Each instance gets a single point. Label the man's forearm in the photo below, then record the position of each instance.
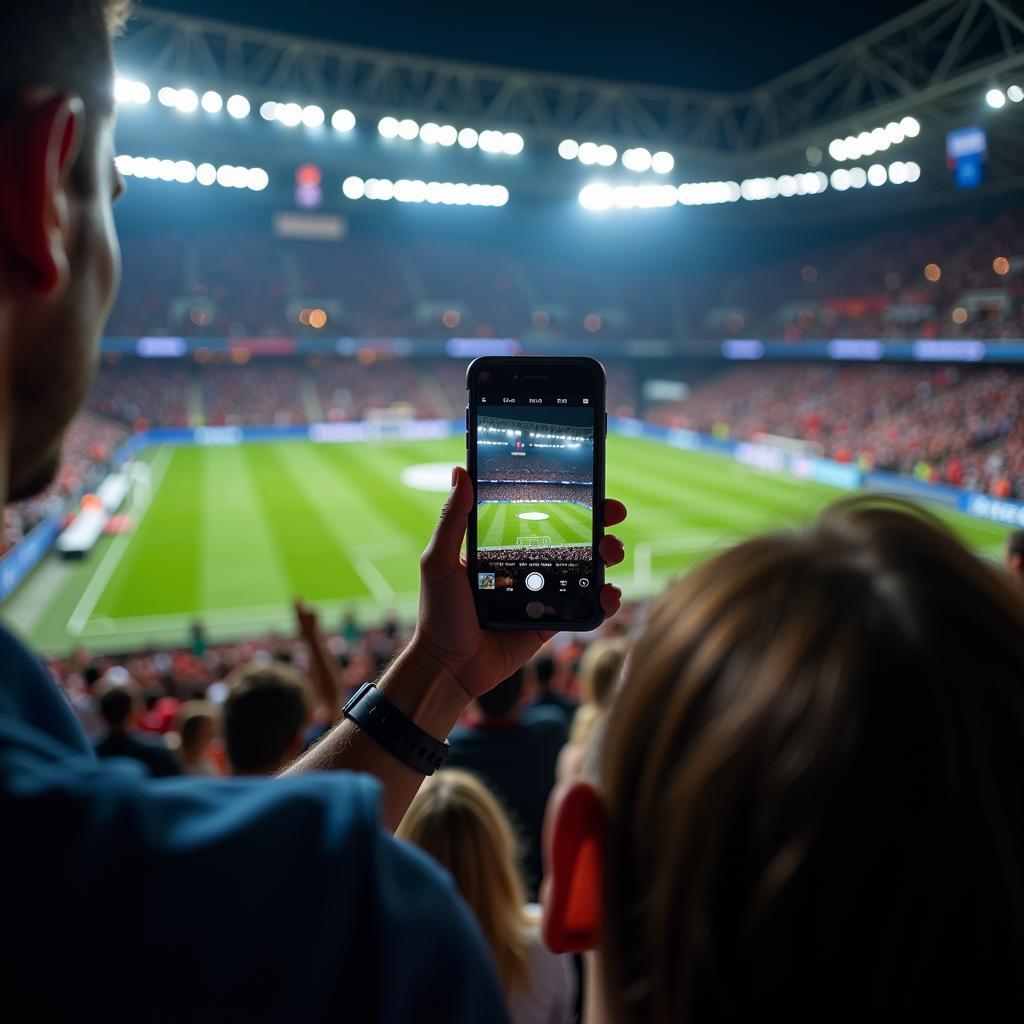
(425, 692)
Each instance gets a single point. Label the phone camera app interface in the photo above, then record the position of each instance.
(535, 495)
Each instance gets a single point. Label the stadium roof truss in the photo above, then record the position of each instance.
(924, 61)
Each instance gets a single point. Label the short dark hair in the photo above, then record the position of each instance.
(61, 44)
(265, 710)
(116, 704)
(544, 670)
(504, 697)
(1015, 543)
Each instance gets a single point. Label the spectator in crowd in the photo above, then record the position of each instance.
(119, 708)
(461, 825)
(599, 674)
(197, 732)
(807, 796)
(544, 668)
(313, 911)
(1015, 555)
(265, 718)
(515, 753)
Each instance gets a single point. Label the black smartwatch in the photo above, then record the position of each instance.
(378, 717)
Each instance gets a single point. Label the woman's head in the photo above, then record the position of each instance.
(811, 780)
(455, 819)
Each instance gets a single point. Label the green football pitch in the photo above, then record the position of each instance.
(229, 536)
(540, 524)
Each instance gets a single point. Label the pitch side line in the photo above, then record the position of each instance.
(94, 591)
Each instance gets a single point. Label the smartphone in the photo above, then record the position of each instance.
(535, 439)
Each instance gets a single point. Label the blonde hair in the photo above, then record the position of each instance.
(600, 667)
(456, 819)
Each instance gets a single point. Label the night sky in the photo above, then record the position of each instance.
(723, 45)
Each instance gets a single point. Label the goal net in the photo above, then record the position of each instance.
(533, 542)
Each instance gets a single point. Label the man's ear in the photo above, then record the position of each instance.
(573, 839)
(39, 144)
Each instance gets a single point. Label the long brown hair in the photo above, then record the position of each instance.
(455, 819)
(814, 773)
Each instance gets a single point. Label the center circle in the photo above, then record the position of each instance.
(533, 515)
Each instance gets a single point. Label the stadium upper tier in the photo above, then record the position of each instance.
(960, 278)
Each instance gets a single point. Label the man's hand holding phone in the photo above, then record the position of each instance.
(448, 630)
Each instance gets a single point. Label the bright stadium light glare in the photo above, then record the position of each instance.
(289, 114)
(429, 133)
(912, 170)
(513, 143)
(353, 187)
(212, 101)
(1014, 93)
(499, 195)
(343, 120)
(125, 164)
(226, 176)
(187, 102)
(866, 143)
(167, 170)
(596, 197)
(447, 135)
(852, 148)
(388, 127)
(877, 175)
(206, 174)
(894, 132)
(638, 159)
(837, 149)
(858, 177)
(568, 149)
(312, 116)
(258, 179)
(897, 172)
(606, 155)
(995, 98)
(787, 185)
(468, 138)
(492, 142)
(662, 162)
(185, 171)
(127, 90)
(840, 179)
(911, 127)
(588, 153)
(408, 129)
(150, 168)
(880, 140)
(268, 110)
(167, 96)
(238, 106)
(624, 197)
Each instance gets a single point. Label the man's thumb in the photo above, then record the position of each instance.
(443, 550)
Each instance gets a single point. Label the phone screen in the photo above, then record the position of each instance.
(537, 440)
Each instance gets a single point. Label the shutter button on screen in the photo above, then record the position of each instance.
(534, 581)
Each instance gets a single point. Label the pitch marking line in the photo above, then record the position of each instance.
(140, 503)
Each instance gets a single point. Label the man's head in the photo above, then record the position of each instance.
(543, 672)
(118, 706)
(1015, 554)
(503, 699)
(265, 717)
(59, 262)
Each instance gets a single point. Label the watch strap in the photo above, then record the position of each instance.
(378, 717)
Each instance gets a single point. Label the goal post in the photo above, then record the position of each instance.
(533, 542)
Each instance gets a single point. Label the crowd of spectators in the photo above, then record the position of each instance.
(142, 395)
(534, 466)
(563, 553)
(253, 395)
(536, 492)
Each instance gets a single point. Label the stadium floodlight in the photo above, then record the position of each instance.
(468, 138)
(206, 174)
(866, 143)
(662, 162)
(268, 110)
(638, 159)
(289, 114)
(911, 127)
(880, 140)
(185, 172)
(588, 153)
(429, 133)
(840, 179)
(513, 143)
(227, 176)
(895, 133)
(447, 135)
(897, 172)
(597, 196)
(995, 98)
(606, 155)
(491, 141)
(857, 177)
(568, 149)
(913, 170)
(408, 129)
(238, 106)
(1014, 93)
(312, 116)
(353, 187)
(167, 170)
(837, 149)
(127, 90)
(167, 96)
(212, 101)
(343, 120)
(499, 195)
(853, 150)
(258, 179)
(125, 164)
(388, 127)
(186, 101)
(877, 175)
